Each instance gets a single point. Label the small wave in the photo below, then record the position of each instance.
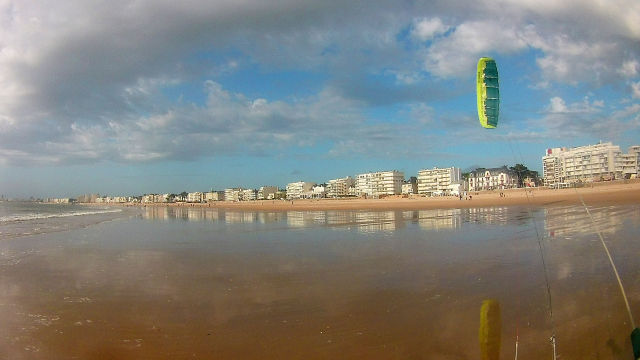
(40, 216)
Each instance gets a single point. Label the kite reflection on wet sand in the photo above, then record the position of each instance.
(488, 103)
(490, 330)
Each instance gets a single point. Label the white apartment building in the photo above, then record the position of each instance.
(438, 181)
(214, 196)
(155, 198)
(234, 194)
(629, 165)
(551, 167)
(635, 150)
(604, 161)
(492, 179)
(299, 190)
(248, 194)
(88, 198)
(267, 192)
(59, 201)
(339, 187)
(379, 183)
(195, 197)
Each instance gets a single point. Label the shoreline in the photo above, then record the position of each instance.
(625, 192)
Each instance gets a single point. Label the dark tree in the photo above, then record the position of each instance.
(523, 172)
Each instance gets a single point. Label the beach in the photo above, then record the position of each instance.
(313, 280)
(623, 192)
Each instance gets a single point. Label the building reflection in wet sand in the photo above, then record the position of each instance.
(318, 285)
(364, 221)
(568, 220)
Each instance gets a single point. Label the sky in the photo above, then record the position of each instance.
(131, 97)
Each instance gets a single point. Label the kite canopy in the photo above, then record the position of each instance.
(488, 93)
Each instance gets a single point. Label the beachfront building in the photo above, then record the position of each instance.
(629, 166)
(280, 195)
(438, 181)
(195, 197)
(319, 191)
(233, 194)
(267, 192)
(88, 198)
(59, 201)
(339, 187)
(377, 184)
(155, 198)
(564, 167)
(492, 179)
(113, 200)
(248, 194)
(214, 196)
(300, 190)
(410, 187)
(635, 150)
(551, 168)
(456, 188)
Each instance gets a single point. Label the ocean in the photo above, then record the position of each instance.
(30, 218)
(185, 282)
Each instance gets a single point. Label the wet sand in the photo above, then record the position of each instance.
(605, 193)
(233, 287)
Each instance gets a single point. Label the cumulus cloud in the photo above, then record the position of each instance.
(629, 68)
(575, 41)
(457, 54)
(422, 113)
(558, 106)
(568, 61)
(89, 81)
(628, 111)
(426, 29)
(635, 87)
(584, 118)
(227, 123)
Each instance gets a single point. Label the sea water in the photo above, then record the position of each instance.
(29, 218)
(178, 282)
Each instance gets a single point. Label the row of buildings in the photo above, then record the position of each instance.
(429, 182)
(562, 167)
(566, 167)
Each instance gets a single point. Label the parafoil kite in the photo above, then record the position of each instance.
(488, 93)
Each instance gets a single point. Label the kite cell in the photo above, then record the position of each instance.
(488, 93)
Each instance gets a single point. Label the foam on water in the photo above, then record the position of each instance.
(37, 216)
(23, 219)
